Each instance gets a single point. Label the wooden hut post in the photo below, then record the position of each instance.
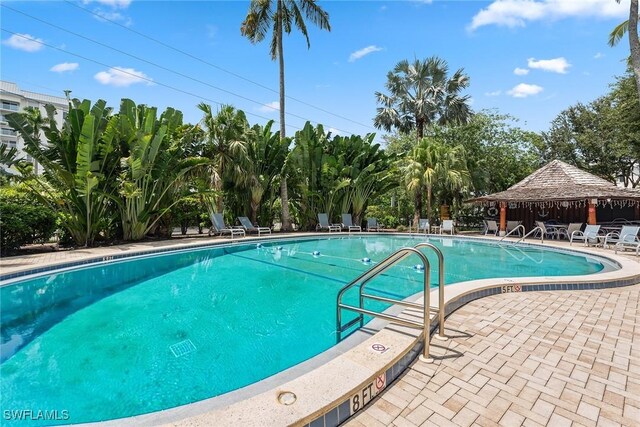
(503, 218)
(591, 220)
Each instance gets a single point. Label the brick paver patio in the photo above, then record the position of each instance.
(535, 358)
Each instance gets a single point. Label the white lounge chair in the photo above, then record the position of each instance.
(574, 226)
(512, 225)
(630, 243)
(589, 235)
(628, 234)
(423, 224)
(221, 228)
(447, 227)
(323, 224)
(347, 223)
(250, 228)
(491, 227)
(372, 224)
(549, 234)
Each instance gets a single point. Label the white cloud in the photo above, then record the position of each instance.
(556, 65)
(65, 66)
(363, 52)
(523, 90)
(122, 4)
(598, 55)
(101, 15)
(517, 13)
(122, 77)
(25, 42)
(271, 107)
(334, 131)
(520, 71)
(494, 93)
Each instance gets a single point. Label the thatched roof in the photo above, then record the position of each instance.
(559, 181)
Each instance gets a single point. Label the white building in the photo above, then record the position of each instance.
(13, 99)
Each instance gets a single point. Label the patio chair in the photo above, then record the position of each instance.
(631, 242)
(372, 224)
(347, 223)
(250, 228)
(323, 224)
(447, 227)
(574, 226)
(423, 224)
(221, 228)
(492, 227)
(549, 234)
(628, 234)
(512, 225)
(589, 235)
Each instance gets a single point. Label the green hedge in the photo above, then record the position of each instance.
(23, 220)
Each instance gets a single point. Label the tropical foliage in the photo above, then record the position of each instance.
(23, 219)
(106, 175)
(602, 136)
(630, 27)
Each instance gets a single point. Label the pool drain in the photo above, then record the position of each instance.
(182, 348)
(287, 398)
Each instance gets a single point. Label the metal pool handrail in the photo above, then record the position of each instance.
(524, 230)
(531, 232)
(381, 267)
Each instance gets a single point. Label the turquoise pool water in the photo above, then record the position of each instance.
(132, 337)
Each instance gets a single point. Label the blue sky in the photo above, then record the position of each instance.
(527, 58)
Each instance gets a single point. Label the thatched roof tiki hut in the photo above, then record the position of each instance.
(565, 193)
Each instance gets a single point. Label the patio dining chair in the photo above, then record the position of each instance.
(423, 224)
(250, 228)
(221, 228)
(347, 223)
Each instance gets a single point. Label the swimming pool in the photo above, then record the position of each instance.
(145, 334)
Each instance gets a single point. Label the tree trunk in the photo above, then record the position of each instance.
(634, 42)
(419, 129)
(417, 211)
(284, 191)
(429, 204)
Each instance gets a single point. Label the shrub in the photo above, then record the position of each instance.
(23, 220)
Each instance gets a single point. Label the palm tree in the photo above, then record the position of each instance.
(225, 134)
(420, 95)
(281, 14)
(630, 26)
(432, 164)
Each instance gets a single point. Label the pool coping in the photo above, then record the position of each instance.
(324, 393)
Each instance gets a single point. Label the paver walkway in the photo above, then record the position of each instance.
(536, 358)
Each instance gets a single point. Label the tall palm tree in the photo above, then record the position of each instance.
(280, 15)
(225, 134)
(630, 26)
(431, 164)
(420, 95)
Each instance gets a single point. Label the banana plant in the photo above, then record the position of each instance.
(153, 165)
(79, 163)
(266, 154)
